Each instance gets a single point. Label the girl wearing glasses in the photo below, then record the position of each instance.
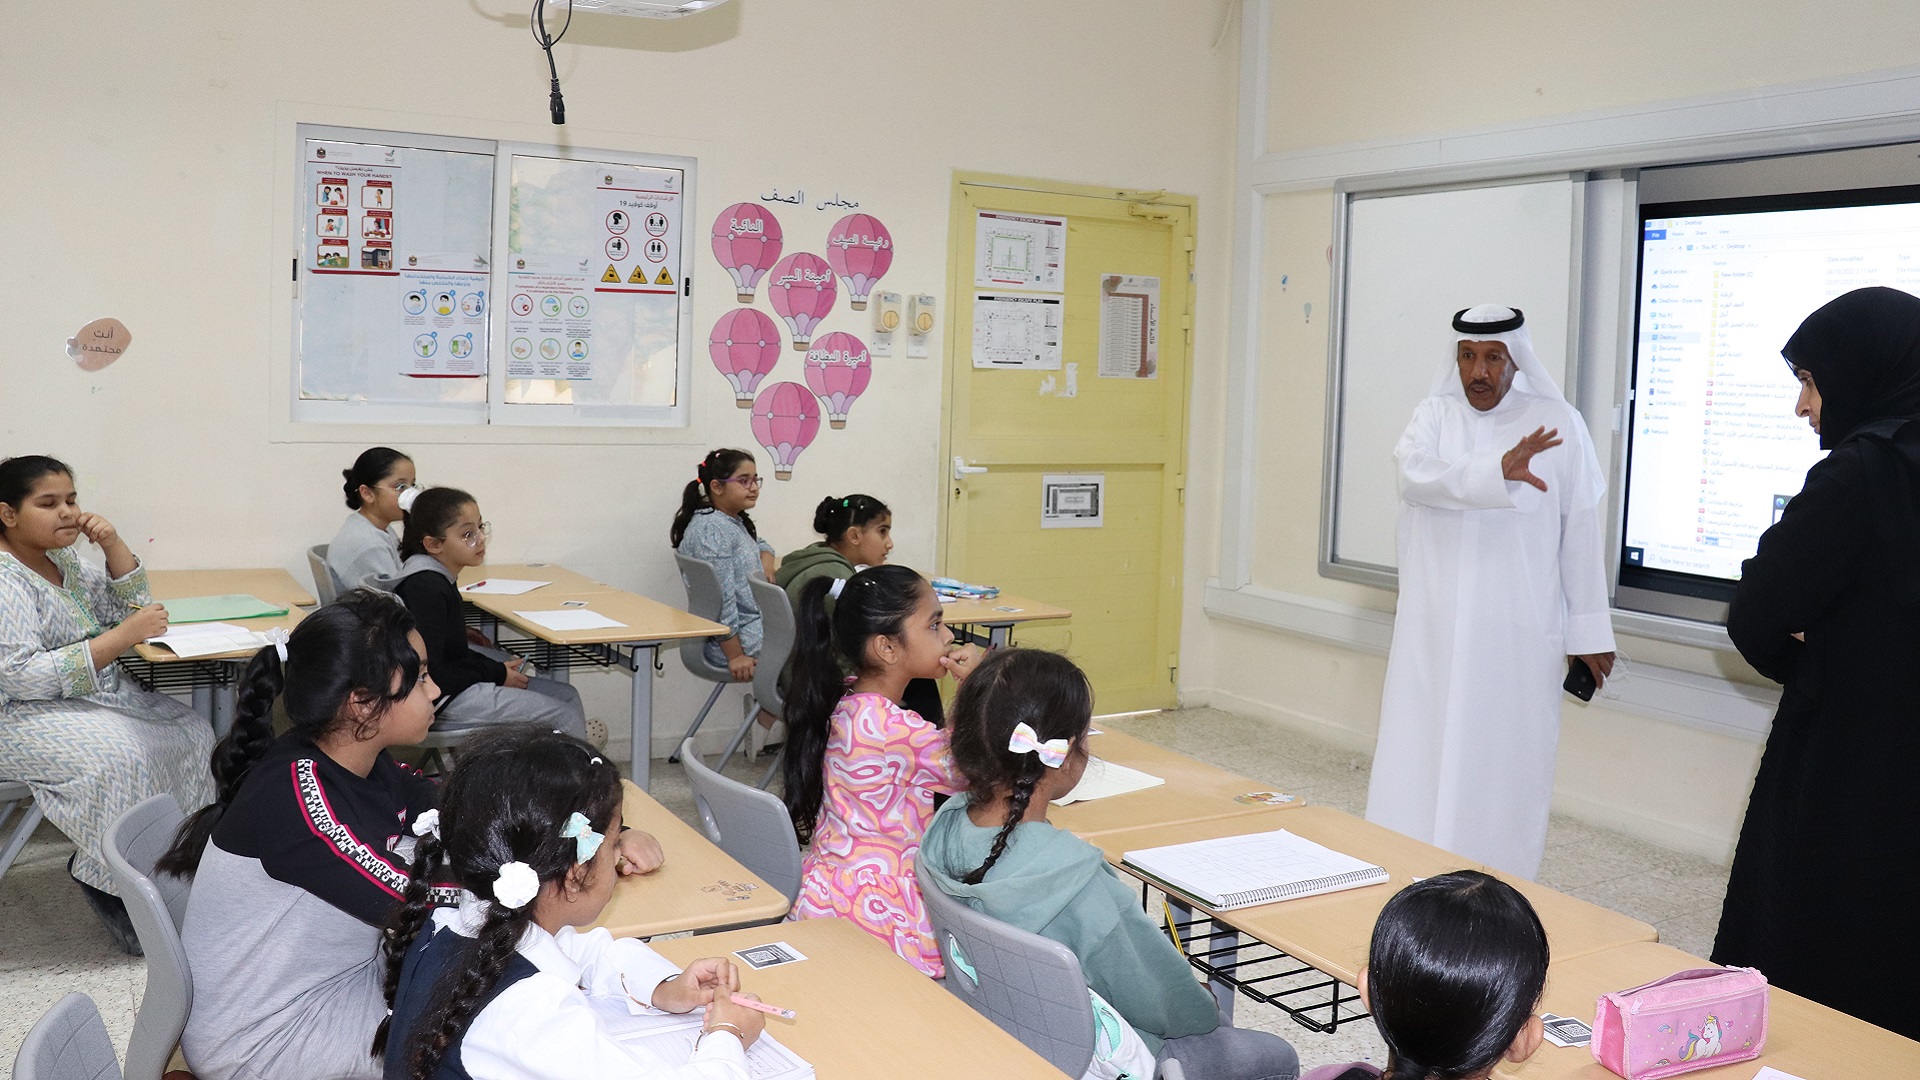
(712, 525)
(444, 536)
(365, 547)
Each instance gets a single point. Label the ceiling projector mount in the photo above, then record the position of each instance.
(643, 9)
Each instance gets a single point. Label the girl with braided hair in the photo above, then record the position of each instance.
(861, 771)
(498, 987)
(1019, 728)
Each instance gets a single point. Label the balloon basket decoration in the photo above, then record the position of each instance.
(802, 291)
(746, 240)
(860, 250)
(838, 370)
(744, 345)
(786, 417)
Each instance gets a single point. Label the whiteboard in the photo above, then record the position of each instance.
(1405, 263)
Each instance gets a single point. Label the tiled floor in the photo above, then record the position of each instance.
(50, 944)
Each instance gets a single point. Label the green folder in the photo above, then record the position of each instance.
(193, 609)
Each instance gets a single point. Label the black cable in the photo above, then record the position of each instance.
(538, 24)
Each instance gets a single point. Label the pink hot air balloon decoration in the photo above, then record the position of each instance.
(746, 240)
(838, 368)
(802, 291)
(744, 345)
(861, 250)
(786, 417)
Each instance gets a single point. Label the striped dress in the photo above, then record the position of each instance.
(89, 742)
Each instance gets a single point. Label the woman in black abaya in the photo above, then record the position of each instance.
(1824, 896)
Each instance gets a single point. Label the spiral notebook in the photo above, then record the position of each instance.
(1258, 868)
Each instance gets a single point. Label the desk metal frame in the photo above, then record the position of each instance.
(1219, 952)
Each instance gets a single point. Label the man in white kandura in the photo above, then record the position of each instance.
(1501, 583)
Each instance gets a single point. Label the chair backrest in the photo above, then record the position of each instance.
(776, 644)
(16, 798)
(157, 905)
(749, 824)
(325, 585)
(703, 599)
(69, 1043)
(1031, 986)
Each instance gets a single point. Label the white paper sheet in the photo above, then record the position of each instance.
(501, 586)
(1768, 1072)
(1019, 251)
(569, 620)
(670, 1038)
(1012, 331)
(192, 640)
(1104, 778)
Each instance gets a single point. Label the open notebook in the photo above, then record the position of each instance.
(670, 1037)
(1259, 868)
(209, 639)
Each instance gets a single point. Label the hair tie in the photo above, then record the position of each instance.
(516, 885)
(428, 822)
(1053, 752)
(408, 497)
(833, 590)
(845, 503)
(586, 842)
(277, 637)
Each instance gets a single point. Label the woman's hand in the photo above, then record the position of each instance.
(516, 679)
(740, 667)
(639, 853)
(961, 660)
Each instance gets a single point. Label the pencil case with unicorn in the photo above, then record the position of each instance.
(1693, 1019)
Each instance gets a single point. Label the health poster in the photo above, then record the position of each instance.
(395, 276)
(1129, 327)
(550, 318)
(447, 316)
(1012, 331)
(1019, 251)
(641, 236)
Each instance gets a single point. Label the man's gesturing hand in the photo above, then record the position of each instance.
(1513, 463)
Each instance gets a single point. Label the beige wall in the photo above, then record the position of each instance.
(1345, 73)
(149, 176)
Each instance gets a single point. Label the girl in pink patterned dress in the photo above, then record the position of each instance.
(862, 772)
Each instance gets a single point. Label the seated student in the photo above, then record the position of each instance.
(365, 546)
(859, 534)
(89, 742)
(499, 987)
(1455, 970)
(1019, 728)
(304, 856)
(861, 772)
(445, 536)
(712, 525)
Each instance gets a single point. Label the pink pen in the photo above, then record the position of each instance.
(746, 1002)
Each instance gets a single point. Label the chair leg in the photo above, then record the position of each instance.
(739, 737)
(674, 758)
(772, 767)
(22, 832)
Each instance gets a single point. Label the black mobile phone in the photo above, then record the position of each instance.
(1580, 682)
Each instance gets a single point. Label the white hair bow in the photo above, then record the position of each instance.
(1053, 752)
(516, 885)
(428, 822)
(833, 590)
(277, 637)
(406, 498)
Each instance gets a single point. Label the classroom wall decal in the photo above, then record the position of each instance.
(860, 250)
(802, 290)
(786, 417)
(745, 345)
(99, 343)
(838, 369)
(747, 241)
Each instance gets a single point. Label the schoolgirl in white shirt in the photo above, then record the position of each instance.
(499, 988)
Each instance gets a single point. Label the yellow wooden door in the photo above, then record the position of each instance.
(1122, 579)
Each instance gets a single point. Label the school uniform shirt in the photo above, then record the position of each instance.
(543, 1024)
(427, 587)
(1052, 883)
(282, 932)
(723, 540)
(361, 551)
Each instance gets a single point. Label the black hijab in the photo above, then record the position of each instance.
(1863, 350)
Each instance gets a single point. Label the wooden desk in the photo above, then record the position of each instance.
(700, 887)
(268, 583)
(1000, 614)
(864, 1012)
(1194, 791)
(632, 647)
(1803, 1038)
(210, 678)
(1332, 931)
(559, 578)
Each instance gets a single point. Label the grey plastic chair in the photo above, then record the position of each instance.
(703, 599)
(68, 1043)
(157, 904)
(1031, 986)
(325, 585)
(17, 798)
(776, 648)
(748, 824)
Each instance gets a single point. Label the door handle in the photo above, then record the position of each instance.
(961, 469)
